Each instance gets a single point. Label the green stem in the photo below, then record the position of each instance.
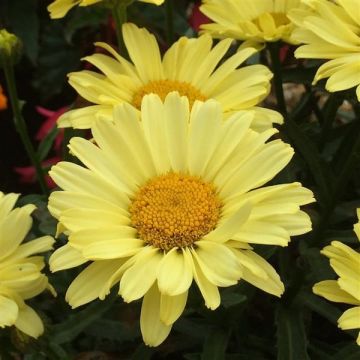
(20, 123)
(119, 12)
(169, 13)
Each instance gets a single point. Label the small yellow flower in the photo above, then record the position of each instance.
(20, 271)
(346, 289)
(254, 20)
(331, 30)
(190, 66)
(173, 198)
(59, 8)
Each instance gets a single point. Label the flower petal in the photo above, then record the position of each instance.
(171, 307)
(153, 330)
(175, 273)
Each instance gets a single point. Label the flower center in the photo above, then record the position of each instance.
(163, 87)
(279, 19)
(175, 210)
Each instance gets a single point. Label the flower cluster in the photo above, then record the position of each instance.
(178, 185)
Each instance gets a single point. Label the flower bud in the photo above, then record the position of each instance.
(10, 46)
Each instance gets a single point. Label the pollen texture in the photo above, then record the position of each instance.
(175, 210)
(164, 87)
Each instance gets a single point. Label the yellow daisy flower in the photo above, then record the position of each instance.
(20, 271)
(59, 8)
(173, 198)
(254, 20)
(346, 289)
(331, 30)
(190, 66)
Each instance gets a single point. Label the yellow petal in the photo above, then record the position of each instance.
(13, 229)
(144, 52)
(171, 307)
(139, 278)
(217, 262)
(175, 273)
(89, 284)
(209, 291)
(350, 319)
(153, 330)
(8, 311)
(330, 290)
(176, 127)
(272, 284)
(29, 322)
(65, 257)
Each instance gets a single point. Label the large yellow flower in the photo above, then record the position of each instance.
(190, 67)
(20, 271)
(331, 30)
(173, 198)
(346, 289)
(59, 8)
(254, 20)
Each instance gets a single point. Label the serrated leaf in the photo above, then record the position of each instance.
(291, 336)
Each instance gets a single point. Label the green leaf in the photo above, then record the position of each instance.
(215, 345)
(291, 336)
(47, 143)
(75, 324)
(320, 306)
(230, 298)
(348, 352)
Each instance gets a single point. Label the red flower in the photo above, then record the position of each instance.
(197, 18)
(28, 173)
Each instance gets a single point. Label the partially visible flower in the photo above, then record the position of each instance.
(346, 289)
(173, 199)
(51, 117)
(197, 18)
(254, 20)
(20, 270)
(28, 173)
(331, 30)
(3, 100)
(191, 66)
(59, 8)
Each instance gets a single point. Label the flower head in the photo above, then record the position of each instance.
(346, 289)
(331, 30)
(254, 20)
(59, 8)
(190, 66)
(20, 270)
(170, 196)
(10, 47)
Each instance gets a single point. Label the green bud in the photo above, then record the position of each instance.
(10, 46)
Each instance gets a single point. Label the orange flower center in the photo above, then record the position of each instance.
(164, 87)
(175, 210)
